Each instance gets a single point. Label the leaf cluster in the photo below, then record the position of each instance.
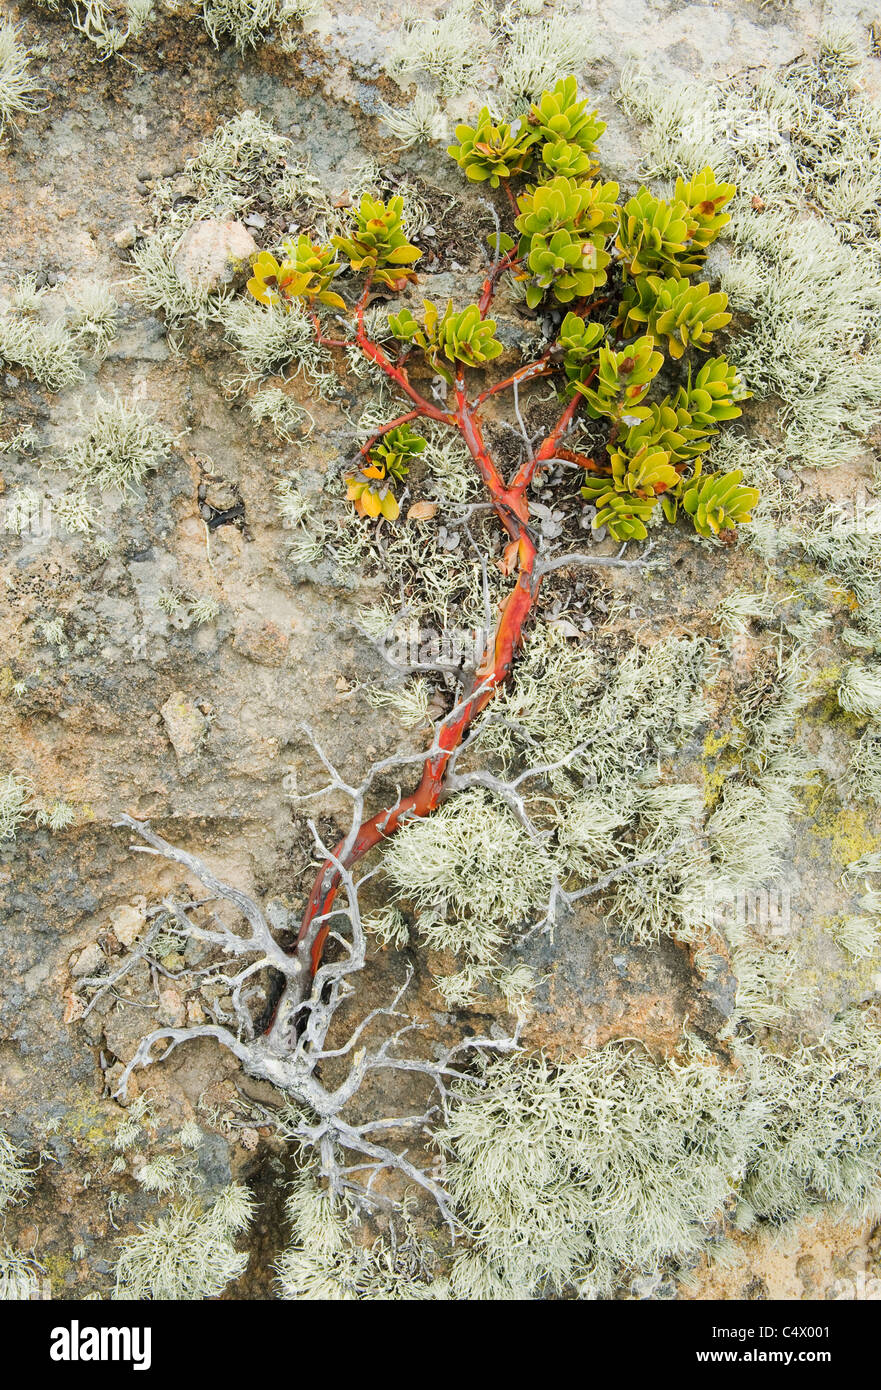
(386, 463)
(378, 245)
(453, 336)
(304, 272)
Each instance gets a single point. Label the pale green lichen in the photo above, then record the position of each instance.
(272, 340)
(21, 1276)
(409, 703)
(859, 691)
(163, 290)
(46, 351)
(574, 1176)
(273, 406)
(17, 84)
(420, 123)
(447, 49)
(15, 1179)
(820, 1143)
(93, 314)
(741, 608)
(325, 1260)
(76, 512)
(188, 1253)
(567, 1173)
(97, 23)
(857, 936)
(472, 873)
(247, 22)
(162, 1174)
(532, 52)
(122, 445)
(388, 926)
(607, 726)
(55, 815)
(864, 769)
(16, 796)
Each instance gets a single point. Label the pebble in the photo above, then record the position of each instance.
(211, 252)
(88, 962)
(125, 238)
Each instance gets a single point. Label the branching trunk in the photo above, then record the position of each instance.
(510, 504)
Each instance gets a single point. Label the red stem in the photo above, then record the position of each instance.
(489, 285)
(375, 353)
(541, 367)
(512, 509)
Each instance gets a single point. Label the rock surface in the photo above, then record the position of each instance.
(199, 728)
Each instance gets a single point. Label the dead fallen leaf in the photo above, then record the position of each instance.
(422, 511)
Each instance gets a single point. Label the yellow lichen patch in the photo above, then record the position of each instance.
(90, 1124)
(719, 759)
(839, 833)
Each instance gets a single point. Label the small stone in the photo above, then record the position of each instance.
(211, 253)
(195, 1012)
(128, 921)
(125, 238)
(342, 685)
(185, 725)
(172, 1012)
(249, 1139)
(27, 1237)
(74, 1008)
(88, 962)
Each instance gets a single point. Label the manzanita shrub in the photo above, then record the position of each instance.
(616, 281)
